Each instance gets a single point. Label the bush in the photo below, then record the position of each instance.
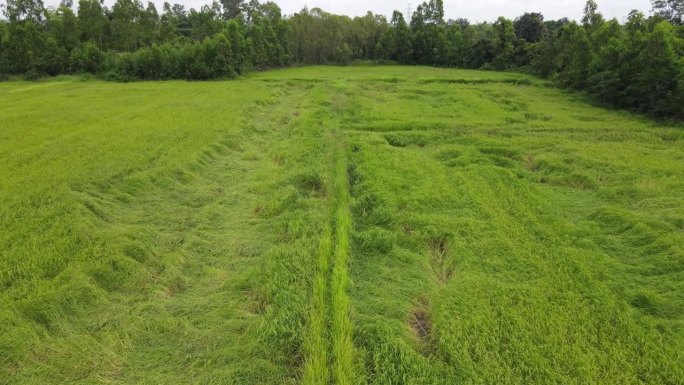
(211, 59)
(87, 58)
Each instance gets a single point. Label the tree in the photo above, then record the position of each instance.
(33, 51)
(205, 23)
(267, 34)
(679, 95)
(19, 10)
(431, 12)
(575, 56)
(87, 58)
(402, 39)
(458, 48)
(4, 60)
(318, 37)
(655, 83)
(236, 36)
(367, 33)
(530, 27)
(504, 40)
(611, 69)
(149, 24)
(126, 15)
(174, 22)
(671, 10)
(63, 25)
(232, 8)
(426, 28)
(636, 65)
(591, 19)
(92, 21)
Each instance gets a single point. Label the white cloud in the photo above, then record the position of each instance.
(472, 10)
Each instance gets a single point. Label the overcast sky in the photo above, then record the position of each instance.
(473, 10)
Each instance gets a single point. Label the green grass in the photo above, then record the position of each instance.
(346, 225)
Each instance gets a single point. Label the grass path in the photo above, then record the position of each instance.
(329, 344)
(341, 323)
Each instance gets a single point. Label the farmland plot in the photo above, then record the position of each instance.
(320, 225)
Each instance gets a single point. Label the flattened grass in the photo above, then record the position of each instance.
(155, 232)
(379, 225)
(509, 233)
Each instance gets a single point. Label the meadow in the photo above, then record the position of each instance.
(337, 225)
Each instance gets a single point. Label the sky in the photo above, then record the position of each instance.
(475, 11)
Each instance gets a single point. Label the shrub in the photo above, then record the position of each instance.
(87, 58)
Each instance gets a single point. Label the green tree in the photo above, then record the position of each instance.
(266, 33)
(4, 60)
(459, 46)
(87, 58)
(575, 56)
(126, 15)
(318, 37)
(174, 22)
(232, 8)
(19, 10)
(592, 19)
(205, 23)
(236, 36)
(671, 10)
(92, 22)
(530, 27)
(403, 50)
(544, 57)
(426, 24)
(611, 70)
(655, 84)
(504, 44)
(149, 24)
(679, 95)
(63, 25)
(31, 50)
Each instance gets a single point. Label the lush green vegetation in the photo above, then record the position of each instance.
(638, 65)
(374, 225)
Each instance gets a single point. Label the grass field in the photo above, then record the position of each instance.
(326, 225)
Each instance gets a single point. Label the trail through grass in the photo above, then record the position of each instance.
(326, 225)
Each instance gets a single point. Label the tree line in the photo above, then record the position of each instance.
(638, 64)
